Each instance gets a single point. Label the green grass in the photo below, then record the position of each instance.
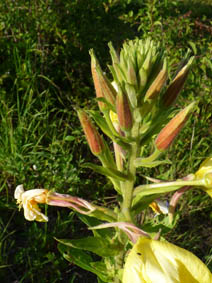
(44, 74)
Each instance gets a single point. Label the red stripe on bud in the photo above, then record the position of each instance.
(92, 135)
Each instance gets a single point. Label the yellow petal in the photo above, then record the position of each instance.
(205, 172)
(205, 167)
(153, 261)
(114, 120)
(159, 207)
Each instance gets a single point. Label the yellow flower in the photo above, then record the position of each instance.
(29, 201)
(114, 120)
(159, 207)
(205, 172)
(152, 261)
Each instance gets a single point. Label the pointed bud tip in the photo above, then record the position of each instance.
(172, 129)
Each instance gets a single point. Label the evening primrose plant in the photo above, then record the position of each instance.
(135, 112)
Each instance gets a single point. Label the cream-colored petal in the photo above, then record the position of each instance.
(32, 212)
(29, 200)
(153, 261)
(18, 192)
(38, 195)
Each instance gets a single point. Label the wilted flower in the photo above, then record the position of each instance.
(154, 261)
(29, 201)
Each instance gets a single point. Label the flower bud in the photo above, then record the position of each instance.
(158, 83)
(131, 73)
(124, 111)
(177, 84)
(103, 87)
(142, 79)
(172, 129)
(93, 137)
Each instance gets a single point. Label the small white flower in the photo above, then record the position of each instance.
(29, 201)
(34, 167)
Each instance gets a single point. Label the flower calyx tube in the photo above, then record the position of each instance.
(133, 232)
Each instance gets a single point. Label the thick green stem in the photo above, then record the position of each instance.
(128, 186)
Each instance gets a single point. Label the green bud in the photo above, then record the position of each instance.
(142, 79)
(132, 79)
(140, 57)
(147, 62)
(120, 74)
(131, 93)
(113, 53)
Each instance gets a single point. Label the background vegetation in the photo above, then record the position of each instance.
(44, 73)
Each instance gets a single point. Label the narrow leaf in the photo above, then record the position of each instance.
(140, 163)
(109, 172)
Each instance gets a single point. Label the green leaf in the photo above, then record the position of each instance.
(152, 191)
(160, 222)
(143, 203)
(101, 122)
(193, 46)
(97, 245)
(109, 129)
(70, 138)
(140, 163)
(109, 172)
(101, 215)
(91, 221)
(84, 261)
(110, 106)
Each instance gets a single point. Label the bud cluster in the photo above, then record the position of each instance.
(139, 63)
(135, 106)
